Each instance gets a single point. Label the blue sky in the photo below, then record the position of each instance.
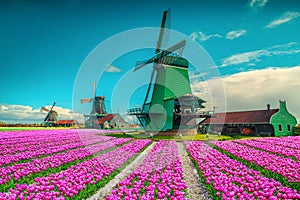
(43, 45)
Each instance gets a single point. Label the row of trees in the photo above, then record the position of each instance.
(297, 130)
(2, 124)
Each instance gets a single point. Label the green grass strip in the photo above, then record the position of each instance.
(209, 187)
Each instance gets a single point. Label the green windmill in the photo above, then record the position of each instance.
(172, 105)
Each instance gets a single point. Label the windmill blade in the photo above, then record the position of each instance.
(149, 87)
(164, 53)
(164, 32)
(94, 89)
(86, 100)
(44, 109)
(140, 64)
(172, 49)
(53, 106)
(47, 117)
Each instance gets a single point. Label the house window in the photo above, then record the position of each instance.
(289, 127)
(279, 127)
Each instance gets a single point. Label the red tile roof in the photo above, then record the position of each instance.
(108, 118)
(242, 117)
(72, 121)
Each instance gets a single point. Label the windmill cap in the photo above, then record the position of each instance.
(175, 61)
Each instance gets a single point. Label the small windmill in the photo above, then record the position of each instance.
(51, 116)
(172, 104)
(98, 108)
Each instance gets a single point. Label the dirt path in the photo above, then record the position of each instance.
(196, 189)
(107, 189)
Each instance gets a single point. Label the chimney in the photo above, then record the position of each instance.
(282, 104)
(268, 106)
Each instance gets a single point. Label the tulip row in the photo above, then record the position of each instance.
(52, 140)
(47, 150)
(17, 171)
(289, 142)
(226, 178)
(22, 146)
(78, 180)
(35, 137)
(28, 138)
(113, 131)
(280, 150)
(29, 135)
(285, 170)
(159, 176)
(46, 139)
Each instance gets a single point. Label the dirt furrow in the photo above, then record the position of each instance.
(107, 189)
(196, 190)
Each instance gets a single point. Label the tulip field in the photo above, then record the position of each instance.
(160, 176)
(76, 164)
(232, 179)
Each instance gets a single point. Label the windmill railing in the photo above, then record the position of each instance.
(95, 115)
(136, 111)
(205, 114)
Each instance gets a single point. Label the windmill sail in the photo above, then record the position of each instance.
(164, 32)
(47, 117)
(149, 86)
(162, 54)
(94, 89)
(44, 109)
(86, 100)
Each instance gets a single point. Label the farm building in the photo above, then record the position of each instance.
(297, 130)
(269, 122)
(66, 123)
(111, 121)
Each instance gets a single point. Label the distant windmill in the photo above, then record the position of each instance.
(98, 109)
(51, 116)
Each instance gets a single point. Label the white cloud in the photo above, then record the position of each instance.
(26, 114)
(285, 18)
(196, 75)
(113, 69)
(255, 56)
(235, 34)
(257, 4)
(246, 57)
(255, 89)
(202, 37)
